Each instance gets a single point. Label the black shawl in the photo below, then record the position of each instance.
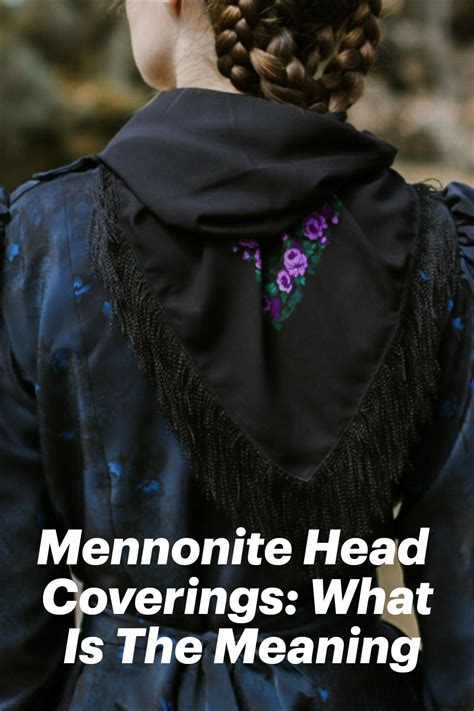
(280, 285)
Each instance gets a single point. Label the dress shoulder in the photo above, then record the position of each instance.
(459, 198)
(78, 166)
(36, 201)
(35, 211)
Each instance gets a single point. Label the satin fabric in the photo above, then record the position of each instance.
(83, 445)
(206, 685)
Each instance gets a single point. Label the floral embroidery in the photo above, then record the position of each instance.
(284, 276)
(149, 486)
(12, 251)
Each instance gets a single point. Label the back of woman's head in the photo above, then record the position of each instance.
(310, 53)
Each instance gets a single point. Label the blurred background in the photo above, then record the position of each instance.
(67, 83)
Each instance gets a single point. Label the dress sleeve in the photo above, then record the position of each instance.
(440, 495)
(32, 642)
(460, 200)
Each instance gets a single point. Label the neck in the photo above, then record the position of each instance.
(196, 61)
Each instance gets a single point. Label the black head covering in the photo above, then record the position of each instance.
(234, 166)
(205, 171)
(258, 257)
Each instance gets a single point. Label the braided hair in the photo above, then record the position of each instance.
(310, 53)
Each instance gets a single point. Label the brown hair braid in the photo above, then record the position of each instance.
(311, 53)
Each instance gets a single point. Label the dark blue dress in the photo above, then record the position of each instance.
(83, 445)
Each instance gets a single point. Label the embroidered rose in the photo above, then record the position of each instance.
(296, 262)
(250, 243)
(327, 211)
(300, 251)
(271, 305)
(314, 226)
(284, 281)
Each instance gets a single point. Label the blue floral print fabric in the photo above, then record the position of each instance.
(83, 445)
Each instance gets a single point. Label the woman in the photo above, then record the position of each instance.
(237, 315)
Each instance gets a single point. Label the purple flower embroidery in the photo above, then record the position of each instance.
(284, 281)
(300, 251)
(327, 212)
(314, 226)
(271, 305)
(251, 252)
(296, 262)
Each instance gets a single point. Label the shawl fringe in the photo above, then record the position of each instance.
(357, 484)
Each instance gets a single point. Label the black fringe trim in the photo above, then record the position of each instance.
(357, 484)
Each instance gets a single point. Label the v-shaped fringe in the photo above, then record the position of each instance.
(357, 484)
